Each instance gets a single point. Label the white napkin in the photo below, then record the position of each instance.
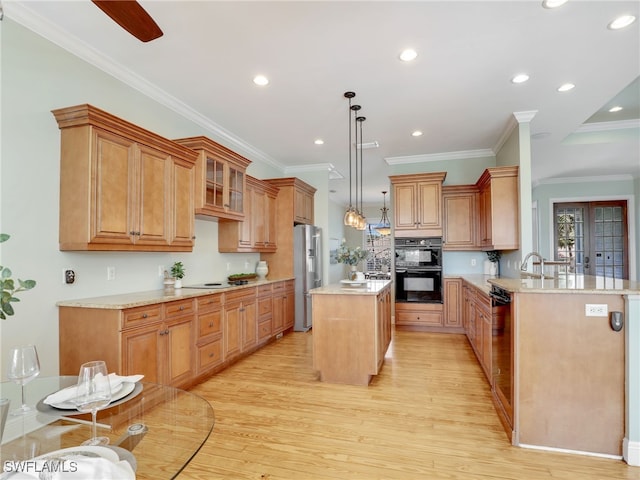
(76, 467)
(69, 393)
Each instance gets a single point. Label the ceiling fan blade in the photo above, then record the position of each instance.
(130, 15)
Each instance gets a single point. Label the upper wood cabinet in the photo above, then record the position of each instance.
(417, 204)
(499, 209)
(220, 179)
(460, 214)
(257, 232)
(122, 187)
(289, 206)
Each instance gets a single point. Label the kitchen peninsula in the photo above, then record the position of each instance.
(351, 330)
(570, 368)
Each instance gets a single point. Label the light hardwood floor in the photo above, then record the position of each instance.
(428, 415)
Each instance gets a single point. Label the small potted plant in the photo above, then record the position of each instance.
(177, 272)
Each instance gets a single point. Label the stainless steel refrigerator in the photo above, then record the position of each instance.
(307, 268)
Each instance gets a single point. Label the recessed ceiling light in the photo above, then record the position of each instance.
(553, 3)
(621, 22)
(566, 87)
(260, 80)
(318, 141)
(408, 55)
(417, 133)
(520, 78)
(615, 109)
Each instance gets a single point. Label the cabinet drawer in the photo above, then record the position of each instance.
(142, 315)
(264, 306)
(278, 287)
(209, 323)
(241, 294)
(264, 329)
(209, 302)
(209, 355)
(264, 290)
(181, 307)
(425, 315)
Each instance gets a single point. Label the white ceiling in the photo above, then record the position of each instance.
(458, 90)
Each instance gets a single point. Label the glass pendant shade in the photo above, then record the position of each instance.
(350, 217)
(384, 227)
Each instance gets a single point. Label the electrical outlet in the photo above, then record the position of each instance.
(596, 310)
(161, 271)
(111, 273)
(228, 266)
(68, 276)
(473, 262)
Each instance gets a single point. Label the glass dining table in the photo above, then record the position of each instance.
(157, 428)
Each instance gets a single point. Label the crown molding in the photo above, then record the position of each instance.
(437, 157)
(608, 126)
(598, 179)
(21, 14)
(334, 174)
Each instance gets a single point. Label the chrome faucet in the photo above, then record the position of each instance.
(523, 267)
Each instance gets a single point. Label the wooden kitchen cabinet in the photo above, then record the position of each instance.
(419, 316)
(240, 322)
(121, 187)
(498, 208)
(478, 325)
(460, 213)
(258, 231)
(265, 312)
(220, 176)
(209, 333)
(417, 204)
(283, 306)
(288, 206)
(452, 303)
(303, 205)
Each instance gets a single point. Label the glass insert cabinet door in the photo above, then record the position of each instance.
(593, 236)
(225, 186)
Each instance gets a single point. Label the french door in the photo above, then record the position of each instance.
(593, 236)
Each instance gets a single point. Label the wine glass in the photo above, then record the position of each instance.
(24, 366)
(93, 394)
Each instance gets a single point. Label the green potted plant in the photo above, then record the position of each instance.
(9, 288)
(177, 272)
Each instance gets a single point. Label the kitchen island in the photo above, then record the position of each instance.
(575, 374)
(351, 330)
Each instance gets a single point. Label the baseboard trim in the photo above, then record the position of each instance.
(574, 452)
(631, 452)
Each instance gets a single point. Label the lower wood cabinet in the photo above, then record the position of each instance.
(176, 343)
(283, 306)
(478, 325)
(209, 333)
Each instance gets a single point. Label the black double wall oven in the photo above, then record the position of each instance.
(418, 269)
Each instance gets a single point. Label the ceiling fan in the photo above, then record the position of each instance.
(130, 15)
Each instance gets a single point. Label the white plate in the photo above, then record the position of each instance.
(124, 389)
(81, 450)
(353, 282)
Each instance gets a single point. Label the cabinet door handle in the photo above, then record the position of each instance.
(210, 324)
(144, 315)
(181, 307)
(166, 332)
(161, 333)
(211, 355)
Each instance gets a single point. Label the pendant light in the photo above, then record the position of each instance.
(362, 221)
(350, 215)
(384, 227)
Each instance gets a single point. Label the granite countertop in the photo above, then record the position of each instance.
(370, 287)
(561, 284)
(138, 299)
(568, 284)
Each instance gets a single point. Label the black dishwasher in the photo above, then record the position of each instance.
(502, 348)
